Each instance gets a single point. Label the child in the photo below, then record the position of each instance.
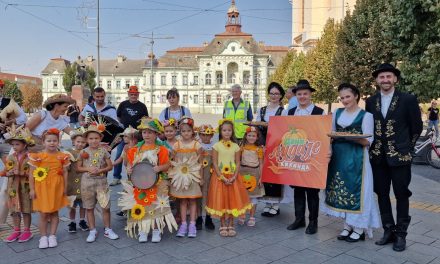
(227, 197)
(185, 176)
(148, 209)
(170, 133)
(19, 200)
(251, 166)
(206, 132)
(94, 163)
(48, 185)
(74, 183)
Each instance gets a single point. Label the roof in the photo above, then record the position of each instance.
(119, 67)
(20, 78)
(186, 49)
(276, 48)
(57, 64)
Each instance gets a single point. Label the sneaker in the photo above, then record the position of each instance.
(143, 237)
(12, 237)
(52, 241)
(83, 225)
(192, 230)
(25, 236)
(108, 233)
(121, 213)
(115, 182)
(199, 223)
(92, 236)
(44, 242)
(157, 236)
(72, 227)
(183, 229)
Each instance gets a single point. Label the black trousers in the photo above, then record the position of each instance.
(400, 177)
(299, 195)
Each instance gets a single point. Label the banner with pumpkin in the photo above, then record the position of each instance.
(297, 149)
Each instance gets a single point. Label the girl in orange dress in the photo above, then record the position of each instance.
(48, 180)
(227, 196)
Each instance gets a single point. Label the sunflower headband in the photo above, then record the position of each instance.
(206, 129)
(221, 121)
(170, 122)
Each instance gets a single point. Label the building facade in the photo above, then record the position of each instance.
(203, 75)
(310, 16)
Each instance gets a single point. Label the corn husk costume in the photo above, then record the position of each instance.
(206, 163)
(147, 209)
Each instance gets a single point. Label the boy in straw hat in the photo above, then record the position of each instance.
(17, 169)
(94, 162)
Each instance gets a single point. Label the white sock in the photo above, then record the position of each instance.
(357, 232)
(93, 230)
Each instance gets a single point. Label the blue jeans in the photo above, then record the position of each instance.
(118, 168)
(433, 123)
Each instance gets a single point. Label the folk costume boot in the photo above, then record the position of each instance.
(313, 205)
(199, 223)
(208, 223)
(401, 227)
(388, 228)
(300, 211)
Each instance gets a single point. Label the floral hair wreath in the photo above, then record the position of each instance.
(52, 131)
(171, 122)
(206, 129)
(251, 129)
(186, 120)
(221, 121)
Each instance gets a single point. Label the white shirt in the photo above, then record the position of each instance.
(303, 111)
(47, 121)
(176, 114)
(21, 118)
(385, 100)
(269, 112)
(111, 112)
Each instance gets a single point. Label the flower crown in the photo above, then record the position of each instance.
(206, 129)
(221, 121)
(186, 120)
(251, 129)
(170, 122)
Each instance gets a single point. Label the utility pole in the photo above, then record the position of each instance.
(98, 47)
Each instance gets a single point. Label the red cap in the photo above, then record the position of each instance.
(2, 83)
(133, 89)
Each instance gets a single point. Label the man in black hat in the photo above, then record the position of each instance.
(305, 107)
(397, 125)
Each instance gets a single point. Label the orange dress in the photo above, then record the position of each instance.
(49, 180)
(225, 199)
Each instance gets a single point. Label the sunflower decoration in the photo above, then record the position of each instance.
(145, 197)
(78, 191)
(9, 165)
(184, 172)
(205, 163)
(137, 212)
(76, 180)
(227, 169)
(94, 161)
(162, 202)
(12, 193)
(235, 212)
(96, 155)
(40, 174)
(227, 143)
(206, 129)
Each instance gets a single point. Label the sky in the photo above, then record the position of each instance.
(33, 32)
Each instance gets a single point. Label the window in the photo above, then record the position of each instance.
(257, 78)
(136, 82)
(55, 83)
(231, 78)
(100, 84)
(196, 99)
(127, 85)
(219, 99)
(118, 84)
(109, 100)
(185, 80)
(109, 85)
(174, 80)
(163, 80)
(185, 99)
(219, 78)
(246, 97)
(246, 77)
(196, 80)
(208, 79)
(208, 99)
(163, 98)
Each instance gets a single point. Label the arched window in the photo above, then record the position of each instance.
(208, 79)
(219, 78)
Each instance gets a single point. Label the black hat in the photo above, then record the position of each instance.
(278, 87)
(386, 67)
(303, 85)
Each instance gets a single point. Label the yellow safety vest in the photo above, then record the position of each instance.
(238, 116)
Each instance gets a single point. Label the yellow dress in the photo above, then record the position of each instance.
(49, 180)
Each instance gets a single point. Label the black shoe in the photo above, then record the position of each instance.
(299, 222)
(341, 237)
(120, 213)
(83, 225)
(208, 223)
(312, 228)
(399, 244)
(199, 223)
(352, 240)
(388, 236)
(72, 227)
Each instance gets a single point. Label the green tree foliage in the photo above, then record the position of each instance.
(362, 44)
(91, 75)
(69, 77)
(11, 90)
(415, 30)
(280, 73)
(319, 62)
(295, 70)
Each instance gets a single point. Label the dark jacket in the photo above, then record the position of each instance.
(395, 135)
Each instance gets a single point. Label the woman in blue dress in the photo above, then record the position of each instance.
(349, 192)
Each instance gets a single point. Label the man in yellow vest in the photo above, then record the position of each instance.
(239, 111)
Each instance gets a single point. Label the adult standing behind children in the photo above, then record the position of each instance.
(175, 110)
(98, 106)
(129, 113)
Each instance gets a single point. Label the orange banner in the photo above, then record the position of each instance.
(296, 150)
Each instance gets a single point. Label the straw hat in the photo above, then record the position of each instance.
(19, 133)
(151, 124)
(58, 98)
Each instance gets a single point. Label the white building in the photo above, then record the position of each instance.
(310, 16)
(203, 75)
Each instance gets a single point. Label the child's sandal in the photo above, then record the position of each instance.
(223, 231)
(251, 221)
(231, 231)
(241, 220)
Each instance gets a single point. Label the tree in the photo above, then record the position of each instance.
(280, 73)
(70, 74)
(362, 44)
(415, 27)
(319, 62)
(295, 71)
(11, 90)
(32, 97)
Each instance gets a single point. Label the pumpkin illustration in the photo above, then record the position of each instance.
(250, 182)
(294, 137)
